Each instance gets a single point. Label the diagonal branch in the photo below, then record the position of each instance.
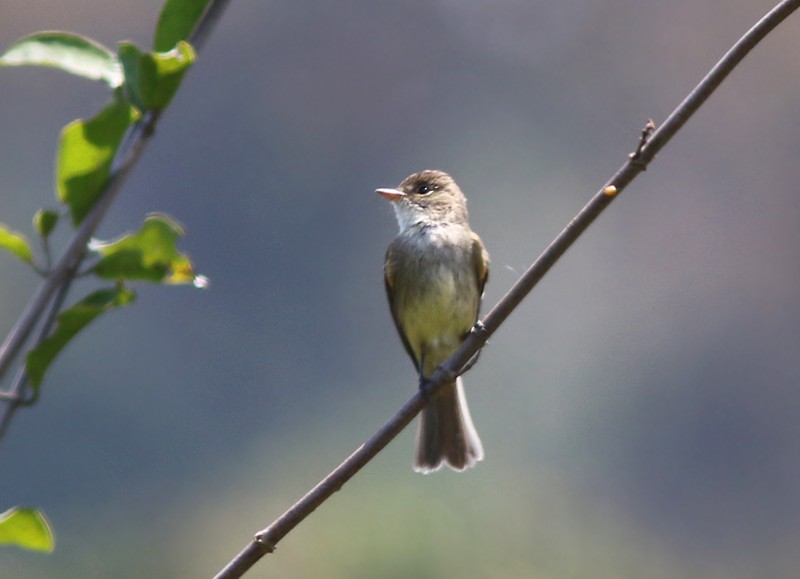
(15, 394)
(651, 143)
(64, 269)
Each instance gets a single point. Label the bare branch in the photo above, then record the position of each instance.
(651, 142)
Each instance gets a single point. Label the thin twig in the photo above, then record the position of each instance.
(15, 396)
(266, 540)
(207, 24)
(66, 266)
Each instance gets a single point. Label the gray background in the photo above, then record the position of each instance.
(639, 411)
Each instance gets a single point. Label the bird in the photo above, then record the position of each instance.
(435, 271)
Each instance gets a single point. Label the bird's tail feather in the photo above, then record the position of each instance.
(446, 434)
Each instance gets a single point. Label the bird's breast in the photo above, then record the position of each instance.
(435, 289)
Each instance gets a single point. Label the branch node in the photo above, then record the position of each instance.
(261, 539)
(636, 156)
(480, 329)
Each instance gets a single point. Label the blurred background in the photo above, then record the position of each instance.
(640, 409)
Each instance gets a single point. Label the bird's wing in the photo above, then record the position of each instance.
(388, 280)
(480, 261)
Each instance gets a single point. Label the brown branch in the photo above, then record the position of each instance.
(651, 142)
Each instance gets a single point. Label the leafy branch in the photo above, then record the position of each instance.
(651, 142)
(95, 157)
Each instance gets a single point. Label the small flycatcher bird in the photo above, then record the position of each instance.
(435, 272)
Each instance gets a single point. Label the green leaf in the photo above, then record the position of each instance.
(177, 21)
(70, 322)
(150, 254)
(71, 53)
(44, 221)
(27, 528)
(131, 59)
(85, 154)
(15, 243)
(152, 78)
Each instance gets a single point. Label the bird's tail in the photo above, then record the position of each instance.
(446, 434)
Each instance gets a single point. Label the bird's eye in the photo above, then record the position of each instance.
(424, 189)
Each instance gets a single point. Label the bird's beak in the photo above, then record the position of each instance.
(390, 194)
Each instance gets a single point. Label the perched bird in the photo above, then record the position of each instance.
(435, 272)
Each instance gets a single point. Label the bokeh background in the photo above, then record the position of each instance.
(639, 411)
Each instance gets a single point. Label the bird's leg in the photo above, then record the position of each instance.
(424, 383)
(478, 328)
(471, 362)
